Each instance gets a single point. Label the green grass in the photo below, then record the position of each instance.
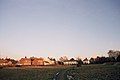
(96, 72)
(28, 73)
(86, 72)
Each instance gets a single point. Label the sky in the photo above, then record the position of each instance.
(55, 28)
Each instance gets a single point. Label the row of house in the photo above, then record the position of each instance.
(75, 62)
(41, 61)
(35, 61)
(26, 62)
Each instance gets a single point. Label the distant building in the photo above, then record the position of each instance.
(33, 61)
(38, 61)
(85, 61)
(25, 61)
(113, 53)
(4, 62)
(46, 63)
(68, 62)
(49, 61)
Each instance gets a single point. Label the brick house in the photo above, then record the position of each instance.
(25, 61)
(38, 61)
(4, 62)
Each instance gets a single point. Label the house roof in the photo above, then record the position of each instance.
(25, 59)
(30, 59)
(3, 61)
(85, 59)
(46, 61)
(38, 58)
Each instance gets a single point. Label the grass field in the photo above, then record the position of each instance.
(86, 72)
(29, 73)
(95, 72)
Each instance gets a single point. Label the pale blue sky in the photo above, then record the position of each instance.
(56, 28)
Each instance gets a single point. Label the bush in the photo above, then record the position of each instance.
(117, 63)
(1, 67)
(18, 66)
(118, 58)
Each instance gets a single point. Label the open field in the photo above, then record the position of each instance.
(29, 73)
(86, 72)
(95, 72)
